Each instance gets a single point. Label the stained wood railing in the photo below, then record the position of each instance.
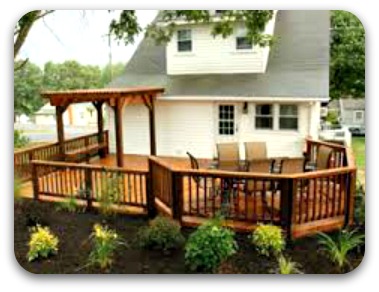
(89, 183)
(338, 156)
(50, 152)
(301, 204)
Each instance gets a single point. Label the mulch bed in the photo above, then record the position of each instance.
(73, 230)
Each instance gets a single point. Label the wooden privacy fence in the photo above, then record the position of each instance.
(89, 183)
(49, 152)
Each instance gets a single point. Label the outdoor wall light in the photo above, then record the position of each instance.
(245, 108)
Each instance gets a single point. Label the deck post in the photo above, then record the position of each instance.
(286, 206)
(100, 126)
(35, 181)
(150, 200)
(153, 150)
(88, 183)
(59, 110)
(177, 196)
(118, 128)
(350, 197)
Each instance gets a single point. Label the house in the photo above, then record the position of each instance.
(351, 112)
(220, 90)
(82, 114)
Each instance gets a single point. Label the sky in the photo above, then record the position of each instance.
(79, 35)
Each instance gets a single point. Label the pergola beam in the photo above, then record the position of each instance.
(59, 110)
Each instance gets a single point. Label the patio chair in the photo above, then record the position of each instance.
(255, 150)
(292, 165)
(228, 156)
(324, 154)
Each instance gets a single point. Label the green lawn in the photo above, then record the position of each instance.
(359, 148)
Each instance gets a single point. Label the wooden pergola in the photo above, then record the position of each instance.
(116, 98)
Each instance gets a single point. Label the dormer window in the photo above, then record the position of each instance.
(184, 40)
(242, 42)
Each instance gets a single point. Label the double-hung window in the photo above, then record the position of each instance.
(184, 40)
(264, 116)
(242, 41)
(288, 117)
(226, 119)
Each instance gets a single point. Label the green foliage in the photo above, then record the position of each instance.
(287, 267)
(126, 28)
(347, 64)
(104, 244)
(17, 185)
(332, 117)
(42, 243)
(71, 75)
(209, 246)
(110, 73)
(19, 140)
(112, 188)
(360, 206)
(337, 250)
(69, 204)
(27, 85)
(162, 233)
(268, 239)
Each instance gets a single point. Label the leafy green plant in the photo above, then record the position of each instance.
(104, 243)
(69, 204)
(337, 250)
(287, 267)
(360, 206)
(209, 246)
(268, 239)
(42, 243)
(110, 193)
(162, 233)
(19, 139)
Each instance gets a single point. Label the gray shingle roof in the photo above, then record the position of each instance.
(353, 103)
(298, 64)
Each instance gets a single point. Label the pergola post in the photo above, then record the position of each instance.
(100, 126)
(153, 150)
(118, 129)
(59, 110)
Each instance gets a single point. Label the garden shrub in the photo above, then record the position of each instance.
(360, 207)
(104, 243)
(287, 267)
(69, 204)
(337, 250)
(42, 243)
(110, 193)
(162, 233)
(268, 239)
(209, 246)
(19, 139)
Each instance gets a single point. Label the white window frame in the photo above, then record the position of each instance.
(220, 120)
(188, 39)
(241, 33)
(280, 116)
(355, 116)
(272, 116)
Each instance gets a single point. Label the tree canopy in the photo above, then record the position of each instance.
(347, 63)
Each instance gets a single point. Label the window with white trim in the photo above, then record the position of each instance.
(226, 119)
(264, 116)
(184, 40)
(288, 117)
(242, 42)
(359, 116)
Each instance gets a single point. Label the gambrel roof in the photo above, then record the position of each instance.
(298, 65)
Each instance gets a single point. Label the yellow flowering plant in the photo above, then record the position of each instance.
(42, 243)
(104, 241)
(268, 239)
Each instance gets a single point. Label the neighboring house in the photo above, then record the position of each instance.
(352, 115)
(81, 114)
(219, 90)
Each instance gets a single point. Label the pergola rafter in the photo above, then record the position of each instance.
(117, 98)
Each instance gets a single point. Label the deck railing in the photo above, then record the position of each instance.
(89, 183)
(293, 201)
(49, 152)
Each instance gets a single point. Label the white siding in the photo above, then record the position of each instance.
(212, 55)
(185, 126)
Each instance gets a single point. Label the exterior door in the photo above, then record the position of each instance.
(226, 123)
